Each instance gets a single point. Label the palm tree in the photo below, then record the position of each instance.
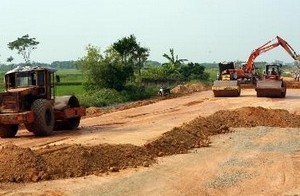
(174, 62)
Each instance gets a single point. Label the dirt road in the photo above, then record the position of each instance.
(252, 161)
(142, 124)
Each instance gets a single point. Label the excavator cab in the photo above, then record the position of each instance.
(272, 85)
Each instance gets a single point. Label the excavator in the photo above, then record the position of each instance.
(229, 79)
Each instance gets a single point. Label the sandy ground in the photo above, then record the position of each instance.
(260, 161)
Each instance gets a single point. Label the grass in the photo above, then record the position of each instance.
(69, 76)
(67, 89)
(70, 82)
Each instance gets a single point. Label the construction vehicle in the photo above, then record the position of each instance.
(272, 85)
(227, 83)
(29, 99)
(226, 87)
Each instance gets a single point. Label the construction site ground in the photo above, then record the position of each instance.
(188, 145)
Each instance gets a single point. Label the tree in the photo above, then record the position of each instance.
(104, 72)
(113, 75)
(140, 57)
(126, 47)
(193, 71)
(10, 59)
(174, 61)
(132, 54)
(171, 68)
(24, 45)
(90, 66)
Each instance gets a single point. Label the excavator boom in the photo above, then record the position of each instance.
(269, 46)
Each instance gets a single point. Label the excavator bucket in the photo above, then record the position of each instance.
(270, 88)
(230, 88)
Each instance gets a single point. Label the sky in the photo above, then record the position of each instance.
(198, 30)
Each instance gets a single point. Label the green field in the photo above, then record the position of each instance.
(69, 76)
(70, 82)
(67, 89)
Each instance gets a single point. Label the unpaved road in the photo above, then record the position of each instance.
(260, 161)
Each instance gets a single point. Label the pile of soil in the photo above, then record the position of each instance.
(65, 161)
(196, 133)
(293, 84)
(189, 88)
(20, 164)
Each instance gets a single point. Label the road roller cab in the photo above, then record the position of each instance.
(29, 99)
(271, 85)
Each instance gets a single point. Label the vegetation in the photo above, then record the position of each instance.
(112, 76)
(24, 45)
(121, 73)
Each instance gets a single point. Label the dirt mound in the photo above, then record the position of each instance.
(55, 162)
(65, 161)
(293, 84)
(196, 133)
(20, 165)
(188, 88)
(93, 110)
(77, 160)
(251, 117)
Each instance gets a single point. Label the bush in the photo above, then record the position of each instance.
(101, 97)
(133, 92)
(106, 97)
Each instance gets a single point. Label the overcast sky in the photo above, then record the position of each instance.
(198, 30)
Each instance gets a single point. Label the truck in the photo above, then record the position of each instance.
(29, 99)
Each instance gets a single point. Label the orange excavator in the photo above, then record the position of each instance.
(229, 79)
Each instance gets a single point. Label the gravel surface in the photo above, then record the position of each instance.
(254, 151)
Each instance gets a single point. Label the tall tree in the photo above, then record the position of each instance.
(24, 45)
(132, 54)
(126, 47)
(174, 61)
(90, 66)
(171, 68)
(140, 57)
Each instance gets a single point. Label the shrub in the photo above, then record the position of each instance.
(101, 97)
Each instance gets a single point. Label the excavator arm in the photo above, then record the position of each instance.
(269, 46)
